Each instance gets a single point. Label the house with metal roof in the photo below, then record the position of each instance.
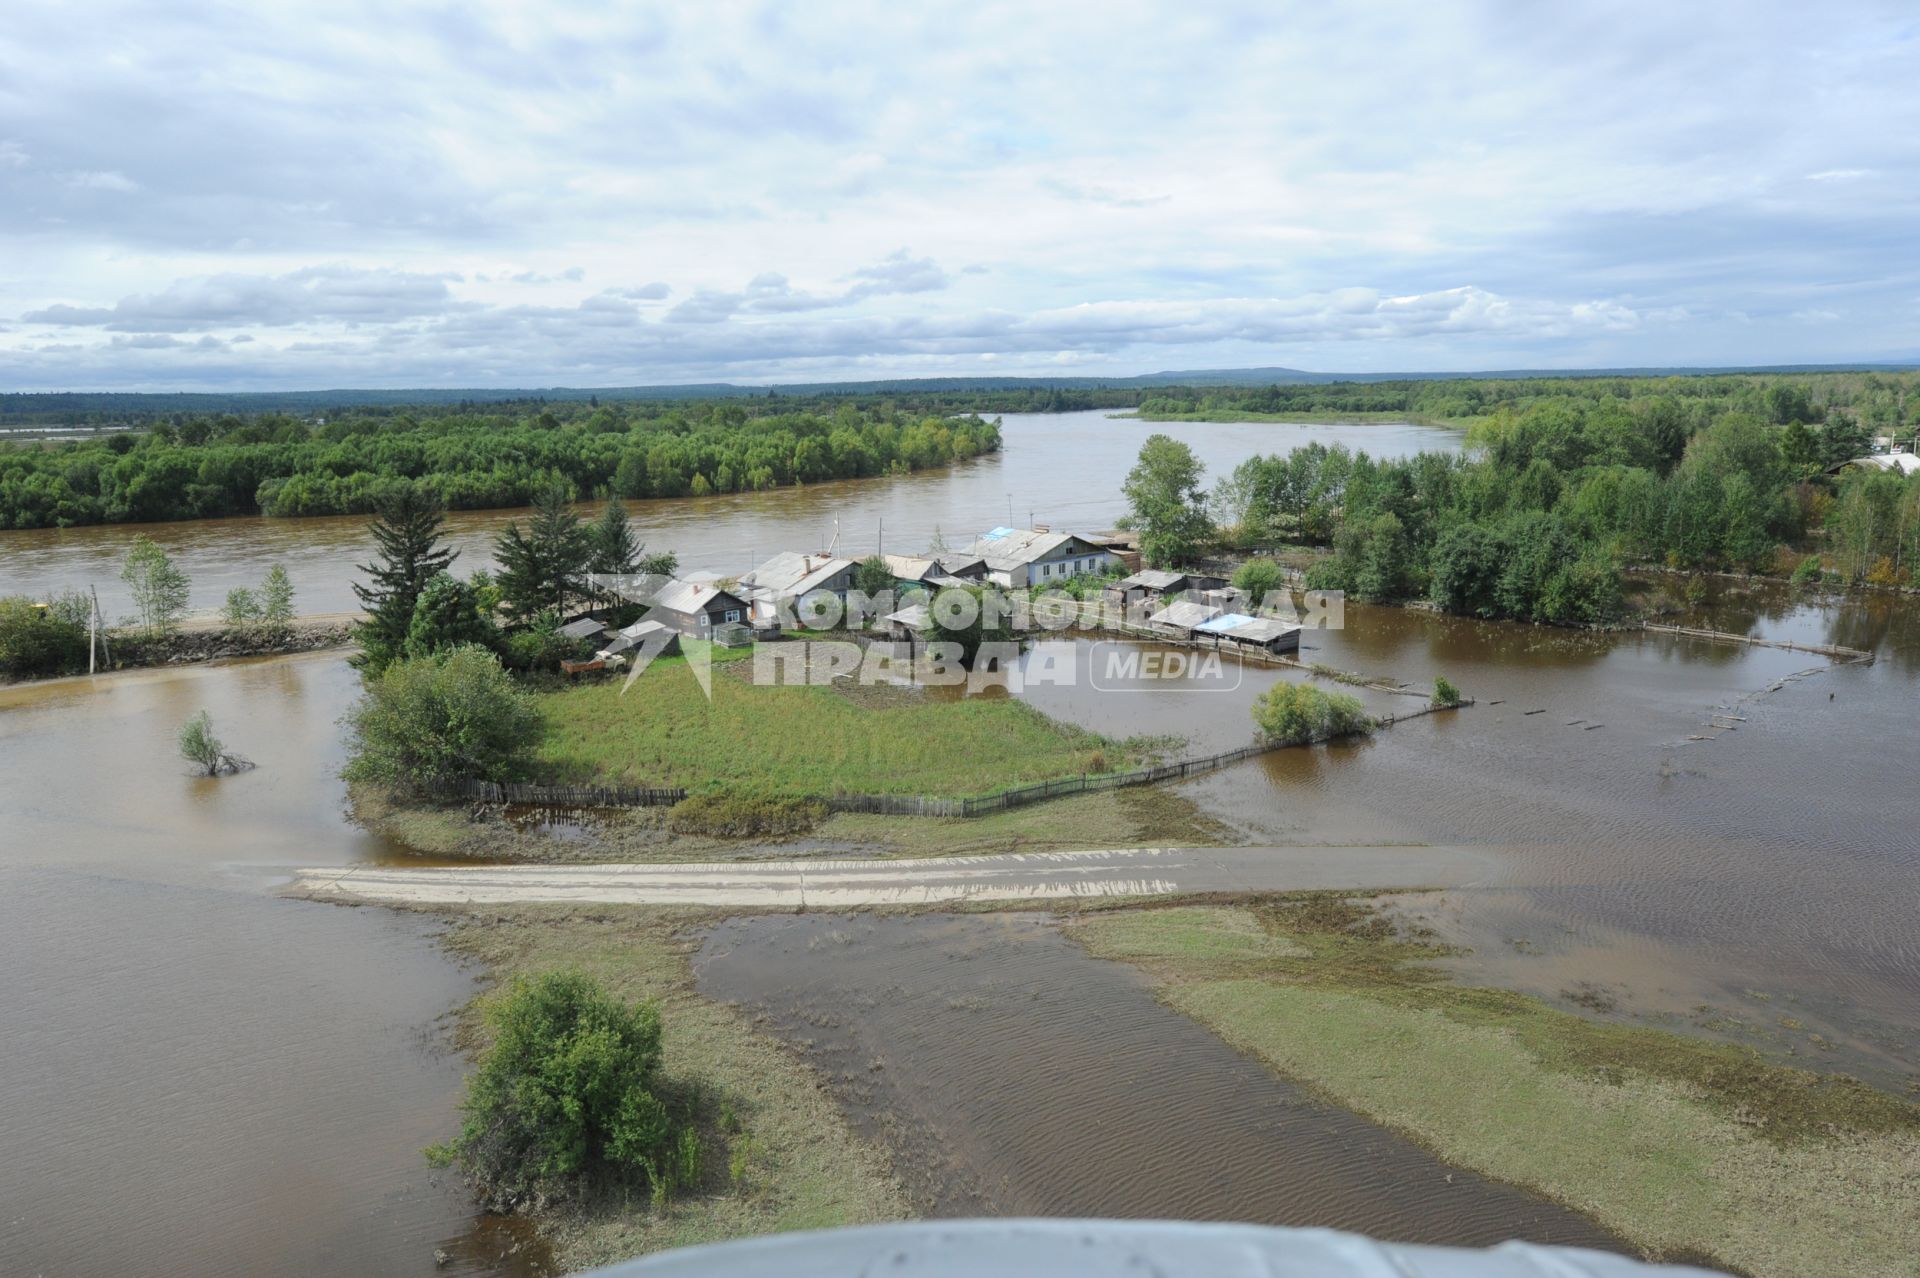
(695, 608)
(1018, 558)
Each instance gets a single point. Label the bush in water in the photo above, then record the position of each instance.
(568, 1102)
(1295, 713)
(442, 717)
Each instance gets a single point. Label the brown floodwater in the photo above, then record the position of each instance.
(1671, 831)
(193, 1069)
(1063, 468)
(195, 1076)
(1011, 1074)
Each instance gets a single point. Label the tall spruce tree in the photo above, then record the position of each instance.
(406, 532)
(543, 567)
(614, 550)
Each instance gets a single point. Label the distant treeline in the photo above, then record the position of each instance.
(1878, 400)
(276, 464)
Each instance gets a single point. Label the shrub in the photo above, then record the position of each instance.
(242, 609)
(1258, 578)
(442, 717)
(276, 601)
(733, 816)
(1296, 713)
(1807, 571)
(1444, 693)
(201, 748)
(568, 1101)
(40, 639)
(158, 586)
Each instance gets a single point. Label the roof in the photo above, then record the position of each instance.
(791, 573)
(687, 596)
(1224, 622)
(641, 629)
(585, 628)
(1152, 579)
(1005, 548)
(633, 636)
(911, 567)
(1260, 630)
(1184, 614)
(914, 617)
(634, 587)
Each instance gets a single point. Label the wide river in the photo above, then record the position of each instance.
(198, 1076)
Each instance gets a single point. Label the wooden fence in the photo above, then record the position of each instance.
(923, 805)
(1832, 651)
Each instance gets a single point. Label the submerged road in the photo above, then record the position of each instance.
(831, 884)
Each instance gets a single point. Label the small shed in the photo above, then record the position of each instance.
(1183, 616)
(637, 635)
(912, 623)
(1269, 633)
(584, 628)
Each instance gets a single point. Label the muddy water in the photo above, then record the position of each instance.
(1065, 468)
(196, 1077)
(1014, 1075)
(1768, 866)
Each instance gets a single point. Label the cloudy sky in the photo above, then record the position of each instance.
(288, 195)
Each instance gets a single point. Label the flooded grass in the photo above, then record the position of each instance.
(1688, 1148)
(1141, 816)
(779, 1154)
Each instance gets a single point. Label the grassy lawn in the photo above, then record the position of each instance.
(1687, 1148)
(806, 740)
(782, 1158)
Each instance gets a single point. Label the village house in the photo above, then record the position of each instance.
(1019, 558)
(695, 608)
(790, 575)
(935, 572)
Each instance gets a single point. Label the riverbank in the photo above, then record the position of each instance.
(206, 640)
(1691, 1150)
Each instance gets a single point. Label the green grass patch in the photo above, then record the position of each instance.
(1684, 1146)
(781, 1156)
(1189, 933)
(809, 741)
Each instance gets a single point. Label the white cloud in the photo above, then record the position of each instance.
(460, 195)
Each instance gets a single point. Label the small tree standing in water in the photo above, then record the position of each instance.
(1444, 693)
(200, 747)
(158, 587)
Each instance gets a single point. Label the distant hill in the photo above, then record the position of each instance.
(24, 407)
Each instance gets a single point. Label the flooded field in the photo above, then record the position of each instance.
(1014, 1075)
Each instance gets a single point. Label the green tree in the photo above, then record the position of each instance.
(450, 716)
(1259, 580)
(447, 615)
(276, 601)
(201, 748)
(1168, 506)
(613, 548)
(1296, 713)
(542, 568)
(40, 639)
(663, 562)
(242, 609)
(159, 588)
(569, 1102)
(1444, 693)
(872, 577)
(407, 537)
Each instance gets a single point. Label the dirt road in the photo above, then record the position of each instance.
(839, 884)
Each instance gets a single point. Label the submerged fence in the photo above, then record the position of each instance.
(920, 805)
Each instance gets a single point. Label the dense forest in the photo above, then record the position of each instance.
(1879, 401)
(1555, 497)
(277, 464)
